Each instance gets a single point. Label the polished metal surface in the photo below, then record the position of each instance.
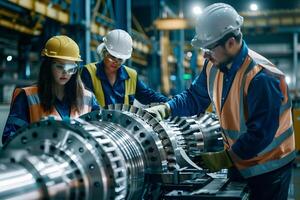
(118, 153)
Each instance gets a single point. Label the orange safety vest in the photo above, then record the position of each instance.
(36, 111)
(233, 116)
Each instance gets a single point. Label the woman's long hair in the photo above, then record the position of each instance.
(73, 91)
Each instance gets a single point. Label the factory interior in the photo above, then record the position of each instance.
(169, 137)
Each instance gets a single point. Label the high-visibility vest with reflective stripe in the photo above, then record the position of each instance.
(233, 115)
(130, 84)
(36, 111)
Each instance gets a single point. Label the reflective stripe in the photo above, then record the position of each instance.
(268, 166)
(286, 106)
(130, 84)
(212, 77)
(243, 127)
(234, 134)
(33, 99)
(16, 121)
(277, 141)
(98, 90)
(36, 112)
(231, 134)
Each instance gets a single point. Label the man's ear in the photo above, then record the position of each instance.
(230, 43)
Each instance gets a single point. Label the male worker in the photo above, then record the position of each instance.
(111, 81)
(250, 97)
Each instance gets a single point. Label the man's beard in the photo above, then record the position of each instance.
(228, 60)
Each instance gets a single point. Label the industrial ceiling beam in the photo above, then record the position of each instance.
(272, 19)
(14, 20)
(173, 24)
(57, 14)
(279, 18)
(19, 27)
(43, 9)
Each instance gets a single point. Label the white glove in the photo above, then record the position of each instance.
(160, 112)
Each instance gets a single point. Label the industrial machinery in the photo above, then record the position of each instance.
(117, 153)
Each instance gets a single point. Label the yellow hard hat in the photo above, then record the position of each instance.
(62, 47)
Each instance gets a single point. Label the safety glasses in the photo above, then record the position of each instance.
(113, 58)
(208, 51)
(211, 47)
(67, 68)
(221, 42)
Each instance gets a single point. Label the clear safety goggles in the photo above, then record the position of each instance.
(114, 59)
(67, 68)
(210, 48)
(208, 51)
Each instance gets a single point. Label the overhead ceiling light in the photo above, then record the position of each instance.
(197, 10)
(9, 58)
(253, 7)
(189, 54)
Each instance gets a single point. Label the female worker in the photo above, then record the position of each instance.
(112, 81)
(59, 91)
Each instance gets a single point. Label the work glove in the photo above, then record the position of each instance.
(160, 112)
(214, 161)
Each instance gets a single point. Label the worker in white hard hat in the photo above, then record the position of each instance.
(59, 92)
(250, 96)
(112, 81)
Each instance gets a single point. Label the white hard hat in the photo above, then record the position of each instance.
(118, 43)
(99, 50)
(216, 21)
